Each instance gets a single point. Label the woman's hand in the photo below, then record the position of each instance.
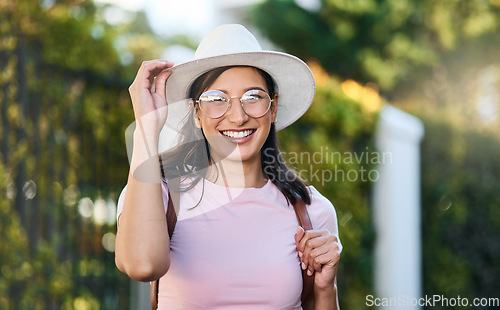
(150, 104)
(319, 253)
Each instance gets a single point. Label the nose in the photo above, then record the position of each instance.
(236, 114)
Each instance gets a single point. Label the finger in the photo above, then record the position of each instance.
(328, 254)
(317, 266)
(310, 245)
(150, 69)
(330, 259)
(160, 83)
(310, 272)
(151, 65)
(306, 256)
(331, 245)
(302, 265)
(310, 234)
(322, 250)
(310, 269)
(314, 247)
(313, 242)
(298, 236)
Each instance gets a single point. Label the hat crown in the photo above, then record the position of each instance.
(227, 39)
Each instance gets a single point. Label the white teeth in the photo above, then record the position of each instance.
(237, 134)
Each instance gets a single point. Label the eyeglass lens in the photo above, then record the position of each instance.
(215, 103)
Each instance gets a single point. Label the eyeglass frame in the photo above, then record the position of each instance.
(239, 99)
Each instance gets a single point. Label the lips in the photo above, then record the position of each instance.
(238, 134)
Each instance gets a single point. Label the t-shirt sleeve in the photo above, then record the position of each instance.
(121, 199)
(322, 213)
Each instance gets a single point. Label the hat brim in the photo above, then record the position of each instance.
(294, 80)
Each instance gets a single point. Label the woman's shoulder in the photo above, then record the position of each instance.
(318, 198)
(319, 203)
(322, 212)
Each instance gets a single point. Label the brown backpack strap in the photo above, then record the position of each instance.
(302, 214)
(171, 216)
(302, 217)
(154, 294)
(304, 221)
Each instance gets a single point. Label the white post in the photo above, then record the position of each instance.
(396, 204)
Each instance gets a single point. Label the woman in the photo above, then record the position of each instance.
(236, 244)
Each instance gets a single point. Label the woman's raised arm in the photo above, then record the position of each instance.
(142, 240)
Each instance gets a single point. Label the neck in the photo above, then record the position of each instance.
(237, 173)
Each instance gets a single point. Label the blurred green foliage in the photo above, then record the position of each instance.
(64, 107)
(461, 218)
(389, 42)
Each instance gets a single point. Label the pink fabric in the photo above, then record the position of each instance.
(236, 249)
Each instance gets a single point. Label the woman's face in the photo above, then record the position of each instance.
(235, 135)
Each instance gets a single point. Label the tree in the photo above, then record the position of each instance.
(392, 43)
(64, 107)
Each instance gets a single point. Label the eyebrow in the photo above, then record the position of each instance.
(245, 90)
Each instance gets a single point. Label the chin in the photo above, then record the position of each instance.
(241, 155)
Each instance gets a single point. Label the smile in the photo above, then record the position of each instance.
(238, 134)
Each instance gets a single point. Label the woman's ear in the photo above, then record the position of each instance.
(274, 108)
(196, 117)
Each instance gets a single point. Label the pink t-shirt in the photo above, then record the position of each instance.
(236, 248)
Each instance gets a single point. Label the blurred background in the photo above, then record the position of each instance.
(65, 67)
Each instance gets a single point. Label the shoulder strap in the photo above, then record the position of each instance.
(302, 214)
(302, 217)
(154, 294)
(171, 216)
(304, 221)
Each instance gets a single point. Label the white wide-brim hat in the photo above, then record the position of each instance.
(233, 45)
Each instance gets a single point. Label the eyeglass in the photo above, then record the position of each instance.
(215, 103)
